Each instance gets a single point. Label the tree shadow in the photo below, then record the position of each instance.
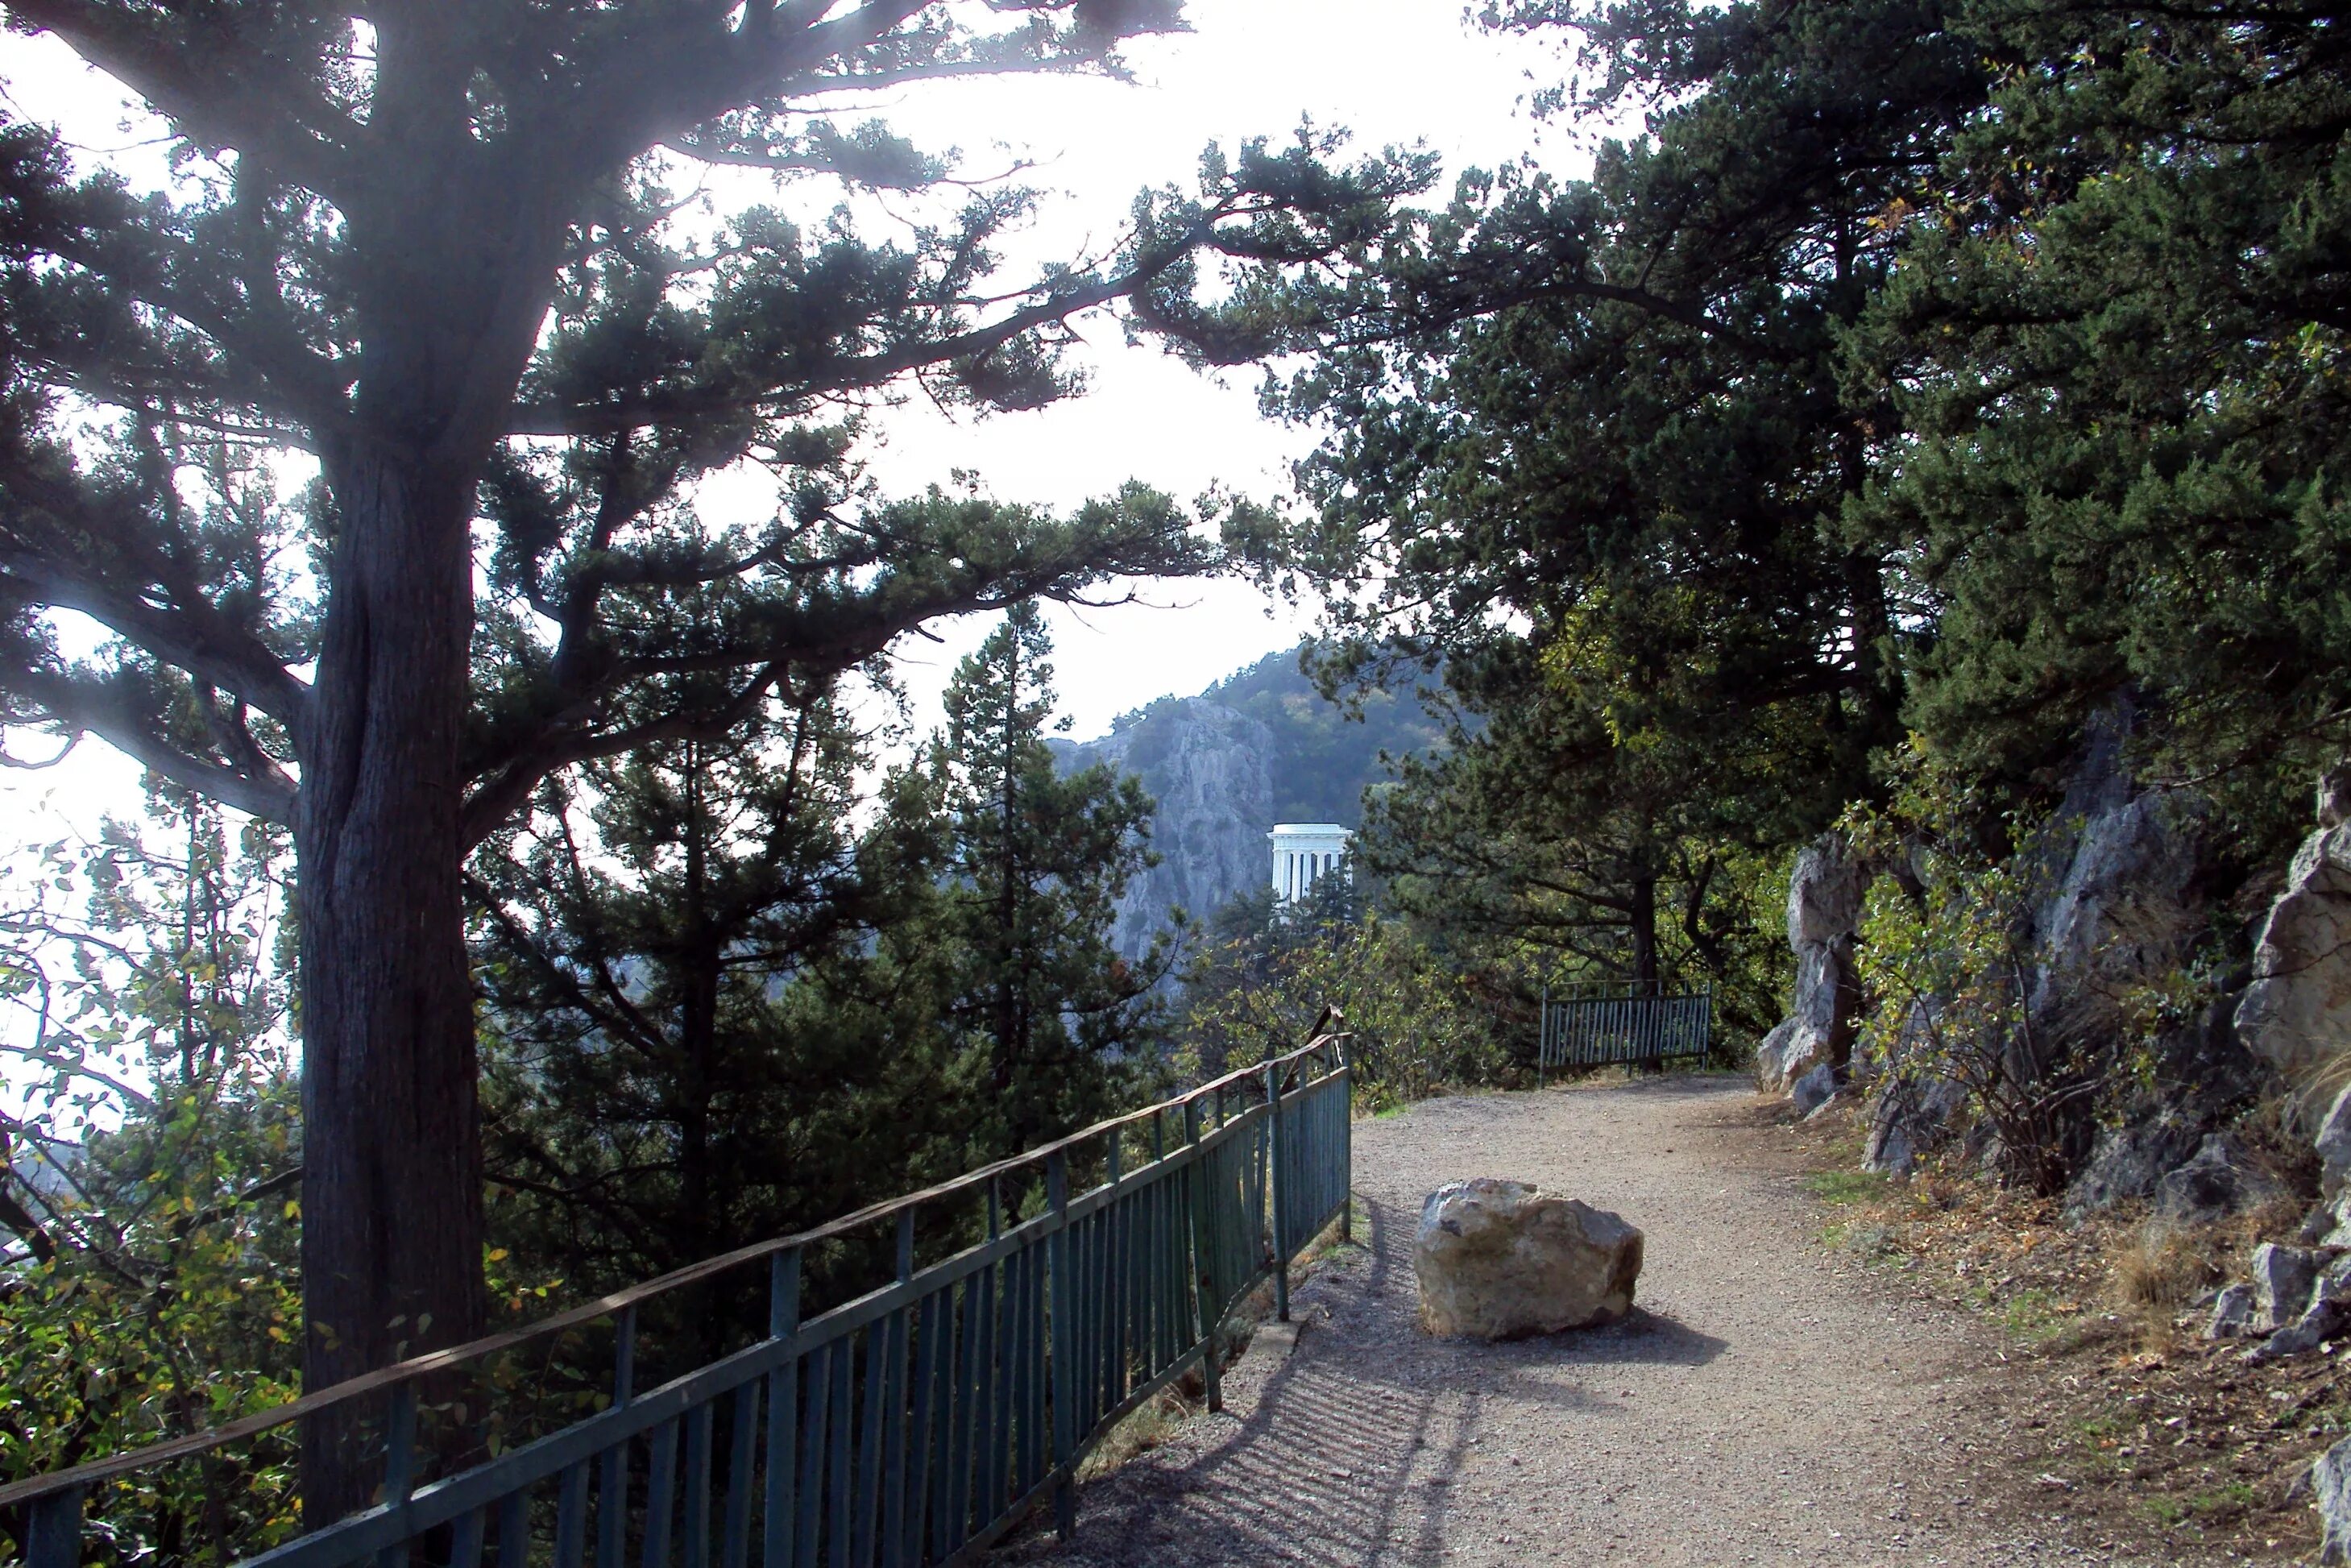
(1354, 1447)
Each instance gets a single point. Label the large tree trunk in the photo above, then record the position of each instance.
(392, 1190)
(1641, 918)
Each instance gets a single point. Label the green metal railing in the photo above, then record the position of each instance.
(1631, 1022)
(916, 1423)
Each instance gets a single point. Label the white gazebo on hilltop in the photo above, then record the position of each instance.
(1303, 854)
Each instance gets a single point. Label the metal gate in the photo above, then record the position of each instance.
(1631, 1022)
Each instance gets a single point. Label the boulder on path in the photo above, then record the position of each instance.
(1497, 1259)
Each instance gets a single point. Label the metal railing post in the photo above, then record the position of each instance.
(783, 1401)
(1543, 1037)
(1346, 1059)
(399, 1466)
(613, 1464)
(1205, 1308)
(1275, 1191)
(53, 1539)
(1064, 1308)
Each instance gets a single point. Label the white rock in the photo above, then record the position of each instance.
(2282, 1278)
(2297, 1011)
(2334, 1144)
(1208, 767)
(2330, 1479)
(1824, 901)
(1814, 1089)
(1499, 1259)
(1824, 893)
(2233, 1314)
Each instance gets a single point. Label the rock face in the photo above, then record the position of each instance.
(2119, 903)
(2334, 1144)
(1824, 916)
(1260, 746)
(2218, 1182)
(1497, 1259)
(2330, 1482)
(1912, 1108)
(2125, 904)
(2297, 1011)
(2233, 1314)
(2283, 1278)
(1208, 768)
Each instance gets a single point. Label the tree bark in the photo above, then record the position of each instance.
(1642, 919)
(391, 1188)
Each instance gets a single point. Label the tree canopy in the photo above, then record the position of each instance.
(444, 257)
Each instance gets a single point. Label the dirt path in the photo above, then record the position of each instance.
(1767, 1404)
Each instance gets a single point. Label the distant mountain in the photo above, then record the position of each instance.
(1258, 747)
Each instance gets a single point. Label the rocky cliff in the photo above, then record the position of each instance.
(1208, 768)
(1260, 747)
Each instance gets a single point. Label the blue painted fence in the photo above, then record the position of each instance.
(913, 1424)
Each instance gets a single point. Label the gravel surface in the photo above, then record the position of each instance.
(1766, 1402)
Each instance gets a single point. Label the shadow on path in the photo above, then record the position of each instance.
(1354, 1448)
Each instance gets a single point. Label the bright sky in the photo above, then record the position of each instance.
(1393, 71)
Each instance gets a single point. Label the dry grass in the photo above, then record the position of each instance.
(1147, 1427)
(2315, 1086)
(2158, 1268)
(2165, 1436)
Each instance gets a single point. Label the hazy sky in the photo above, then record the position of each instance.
(1392, 71)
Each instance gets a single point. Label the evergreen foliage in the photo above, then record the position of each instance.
(1424, 1010)
(1921, 378)
(1037, 863)
(452, 256)
(709, 1023)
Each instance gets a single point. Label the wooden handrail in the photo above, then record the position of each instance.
(34, 1488)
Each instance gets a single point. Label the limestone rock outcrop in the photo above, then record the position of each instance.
(2233, 1314)
(2218, 1181)
(1913, 1105)
(1208, 768)
(2330, 1480)
(1500, 1260)
(2118, 903)
(2283, 1278)
(2334, 1144)
(2297, 1011)
(1825, 894)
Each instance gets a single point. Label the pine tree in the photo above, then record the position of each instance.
(1037, 864)
(2120, 335)
(1601, 467)
(448, 252)
(705, 1027)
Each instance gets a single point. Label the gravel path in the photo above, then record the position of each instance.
(1766, 1403)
